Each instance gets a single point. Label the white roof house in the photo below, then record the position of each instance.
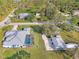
(23, 15)
(14, 39)
(58, 43)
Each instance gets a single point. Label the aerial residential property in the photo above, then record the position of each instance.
(56, 43)
(39, 29)
(19, 38)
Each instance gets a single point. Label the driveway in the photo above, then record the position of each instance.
(45, 39)
(15, 27)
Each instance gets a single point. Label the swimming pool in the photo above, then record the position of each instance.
(28, 40)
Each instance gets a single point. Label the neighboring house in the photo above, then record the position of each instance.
(57, 43)
(76, 12)
(23, 15)
(21, 38)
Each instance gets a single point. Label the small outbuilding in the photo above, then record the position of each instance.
(38, 15)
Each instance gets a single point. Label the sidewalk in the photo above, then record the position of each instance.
(15, 27)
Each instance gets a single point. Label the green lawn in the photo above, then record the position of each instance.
(72, 36)
(37, 50)
(6, 8)
(2, 30)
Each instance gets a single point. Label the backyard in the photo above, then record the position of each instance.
(37, 50)
(49, 11)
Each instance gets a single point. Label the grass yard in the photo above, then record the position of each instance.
(30, 18)
(6, 8)
(2, 30)
(37, 51)
(70, 36)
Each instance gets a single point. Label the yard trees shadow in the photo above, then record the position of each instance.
(67, 54)
(38, 29)
(20, 55)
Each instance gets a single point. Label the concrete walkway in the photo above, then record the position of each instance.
(15, 27)
(48, 48)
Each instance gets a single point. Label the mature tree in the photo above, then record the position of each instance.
(50, 29)
(50, 9)
(64, 6)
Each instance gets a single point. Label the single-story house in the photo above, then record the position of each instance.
(23, 15)
(17, 38)
(57, 43)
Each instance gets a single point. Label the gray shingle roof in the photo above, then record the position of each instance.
(17, 38)
(23, 15)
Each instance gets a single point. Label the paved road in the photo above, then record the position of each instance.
(25, 24)
(7, 19)
(35, 23)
